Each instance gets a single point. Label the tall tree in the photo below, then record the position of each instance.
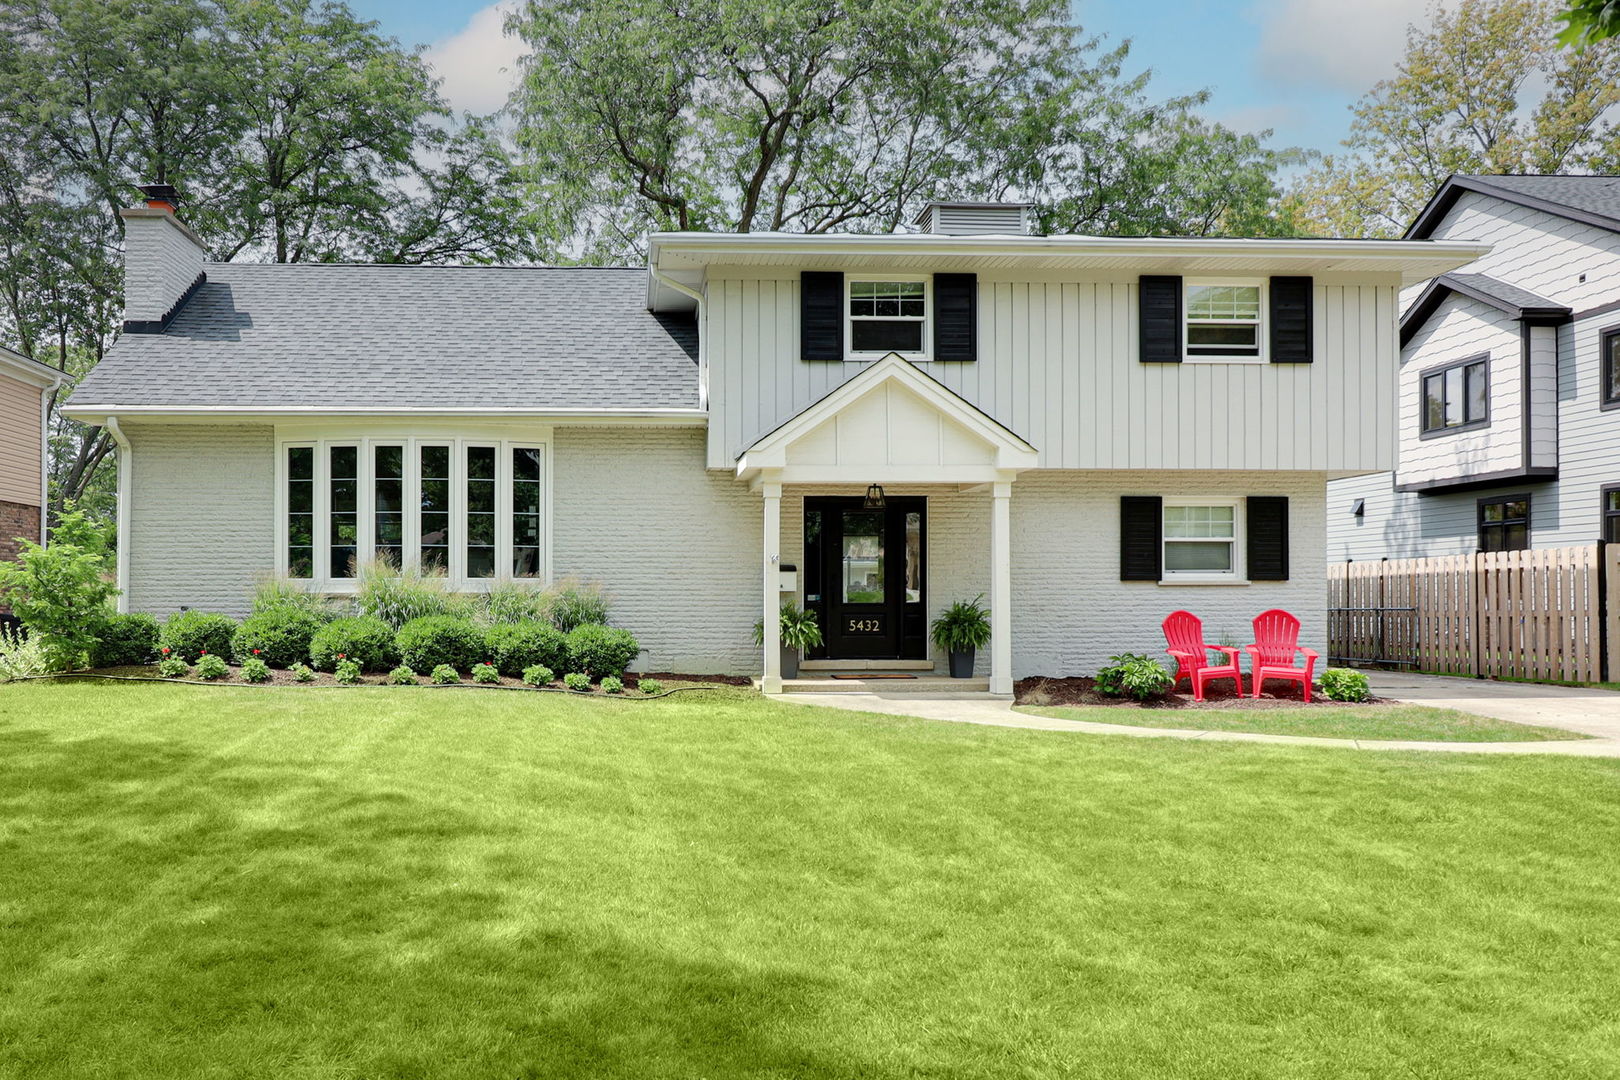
(1482, 90)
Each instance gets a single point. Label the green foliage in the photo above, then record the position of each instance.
(302, 673)
(189, 634)
(1135, 676)
(212, 666)
(512, 647)
(126, 640)
(21, 656)
(573, 604)
(612, 684)
(800, 630)
(650, 687)
(172, 667)
(575, 680)
(291, 594)
(485, 673)
(538, 675)
(444, 675)
(601, 650)
(397, 596)
(512, 602)
(402, 676)
(963, 626)
(1589, 21)
(348, 672)
(1344, 684)
(363, 639)
(279, 635)
(60, 592)
(255, 670)
(433, 640)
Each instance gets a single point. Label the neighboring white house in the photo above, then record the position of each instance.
(1090, 432)
(1509, 396)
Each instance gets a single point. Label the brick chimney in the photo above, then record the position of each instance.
(163, 261)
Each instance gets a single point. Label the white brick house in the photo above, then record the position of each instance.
(1090, 432)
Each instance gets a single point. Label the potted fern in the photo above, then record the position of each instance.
(963, 629)
(800, 631)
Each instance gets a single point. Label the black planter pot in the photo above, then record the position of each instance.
(962, 664)
(790, 662)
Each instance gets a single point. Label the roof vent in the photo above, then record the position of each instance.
(977, 218)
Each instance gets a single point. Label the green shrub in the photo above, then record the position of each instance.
(485, 673)
(1343, 684)
(189, 634)
(172, 667)
(402, 676)
(538, 675)
(513, 602)
(444, 674)
(126, 639)
(348, 672)
(576, 681)
(292, 594)
(399, 596)
(255, 670)
(280, 636)
(962, 627)
(601, 650)
(427, 642)
(1134, 676)
(302, 672)
(21, 656)
(60, 592)
(511, 647)
(651, 686)
(366, 640)
(612, 684)
(574, 604)
(212, 666)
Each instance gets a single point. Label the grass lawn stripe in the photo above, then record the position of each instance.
(1418, 722)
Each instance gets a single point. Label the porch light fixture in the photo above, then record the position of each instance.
(874, 498)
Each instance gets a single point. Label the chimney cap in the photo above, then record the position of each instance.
(160, 196)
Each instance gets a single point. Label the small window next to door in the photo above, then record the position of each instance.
(1504, 523)
(1611, 513)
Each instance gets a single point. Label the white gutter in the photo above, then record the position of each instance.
(95, 413)
(703, 330)
(126, 466)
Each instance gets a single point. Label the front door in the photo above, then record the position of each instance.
(864, 577)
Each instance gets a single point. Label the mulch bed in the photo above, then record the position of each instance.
(1041, 690)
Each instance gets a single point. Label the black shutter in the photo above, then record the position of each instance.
(1268, 538)
(821, 315)
(1291, 336)
(1158, 306)
(956, 317)
(1141, 520)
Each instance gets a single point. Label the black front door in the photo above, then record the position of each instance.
(864, 577)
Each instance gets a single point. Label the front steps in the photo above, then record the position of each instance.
(820, 682)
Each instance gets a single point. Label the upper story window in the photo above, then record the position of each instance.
(1504, 523)
(1200, 539)
(1610, 369)
(1611, 514)
(1457, 396)
(1224, 321)
(888, 315)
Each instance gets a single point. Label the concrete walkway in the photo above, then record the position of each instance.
(1591, 712)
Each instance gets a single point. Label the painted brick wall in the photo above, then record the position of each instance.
(16, 520)
(160, 263)
(201, 524)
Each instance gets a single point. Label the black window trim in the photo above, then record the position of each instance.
(1479, 517)
(1604, 513)
(1605, 378)
(1425, 432)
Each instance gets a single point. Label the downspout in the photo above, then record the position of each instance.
(703, 331)
(44, 460)
(126, 465)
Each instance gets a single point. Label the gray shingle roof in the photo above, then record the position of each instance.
(1516, 302)
(1591, 199)
(1509, 296)
(410, 337)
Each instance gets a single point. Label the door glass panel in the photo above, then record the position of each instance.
(812, 556)
(863, 557)
(913, 558)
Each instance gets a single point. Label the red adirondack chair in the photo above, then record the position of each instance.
(1185, 635)
(1276, 644)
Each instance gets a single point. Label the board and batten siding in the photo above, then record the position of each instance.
(1058, 366)
(19, 442)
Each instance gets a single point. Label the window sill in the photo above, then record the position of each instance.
(1203, 581)
(1460, 429)
(350, 587)
(872, 357)
(1223, 360)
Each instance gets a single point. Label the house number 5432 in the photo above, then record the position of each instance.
(864, 626)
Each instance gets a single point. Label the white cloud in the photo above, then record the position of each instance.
(479, 64)
(1334, 44)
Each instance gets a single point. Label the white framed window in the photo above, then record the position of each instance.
(888, 314)
(1202, 540)
(476, 508)
(1224, 321)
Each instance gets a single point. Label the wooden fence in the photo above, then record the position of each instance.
(1552, 613)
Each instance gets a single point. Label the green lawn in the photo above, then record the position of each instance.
(218, 882)
(1362, 722)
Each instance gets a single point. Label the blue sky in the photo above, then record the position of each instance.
(1291, 65)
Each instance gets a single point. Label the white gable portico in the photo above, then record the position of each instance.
(891, 425)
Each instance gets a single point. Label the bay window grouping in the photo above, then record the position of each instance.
(473, 509)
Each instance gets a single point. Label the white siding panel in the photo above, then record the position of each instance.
(1536, 250)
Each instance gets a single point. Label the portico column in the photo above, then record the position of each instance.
(1001, 588)
(772, 681)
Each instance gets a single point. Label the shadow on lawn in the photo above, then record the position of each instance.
(254, 917)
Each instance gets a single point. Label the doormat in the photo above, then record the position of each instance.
(871, 675)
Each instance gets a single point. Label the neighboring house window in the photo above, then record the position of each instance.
(1457, 396)
(888, 316)
(1611, 368)
(475, 509)
(1611, 514)
(1504, 523)
(1200, 539)
(1223, 321)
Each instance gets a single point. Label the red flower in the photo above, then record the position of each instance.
(165, 650)
(340, 656)
(204, 652)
